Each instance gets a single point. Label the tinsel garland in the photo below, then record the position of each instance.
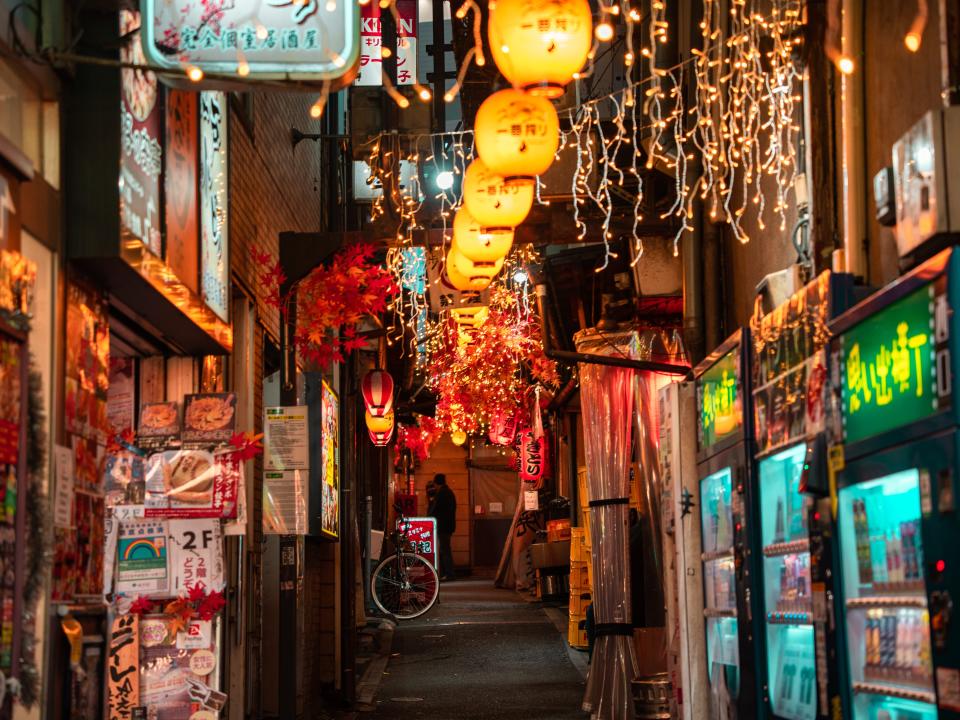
(38, 543)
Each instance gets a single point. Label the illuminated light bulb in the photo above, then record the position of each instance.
(445, 180)
(425, 95)
(316, 110)
(194, 73)
(384, 4)
(385, 52)
(846, 65)
(912, 41)
(262, 31)
(604, 32)
(331, 5)
(243, 68)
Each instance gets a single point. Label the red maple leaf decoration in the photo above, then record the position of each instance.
(211, 605)
(248, 446)
(141, 606)
(121, 441)
(196, 593)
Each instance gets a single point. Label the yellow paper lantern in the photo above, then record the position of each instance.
(458, 437)
(464, 283)
(470, 317)
(467, 268)
(482, 245)
(379, 424)
(539, 44)
(493, 202)
(517, 134)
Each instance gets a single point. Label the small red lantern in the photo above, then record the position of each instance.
(377, 389)
(381, 439)
(503, 428)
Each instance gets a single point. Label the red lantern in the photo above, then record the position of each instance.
(503, 429)
(381, 439)
(377, 389)
(533, 456)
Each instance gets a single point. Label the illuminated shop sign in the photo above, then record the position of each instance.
(371, 64)
(297, 39)
(718, 400)
(889, 363)
(214, 225)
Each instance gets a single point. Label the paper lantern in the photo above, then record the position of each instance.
(503, 428)
(462, 282)
(377, 389)
(517, 134)
(482, 245)
(380, 424)
(458, 437)
(473, 270)
(381, 439)
(491, 200)
(540, 44)
(533, 456)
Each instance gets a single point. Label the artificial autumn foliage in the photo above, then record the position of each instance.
(332, 301)
(418, 439)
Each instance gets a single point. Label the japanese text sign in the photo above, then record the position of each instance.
(422, 534)
(371, 64)
(123, 677)
(718, 400)
(280, 39)
(888, 365)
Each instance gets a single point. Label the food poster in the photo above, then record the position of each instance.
(330, 461)
(123, 678)
(177, 681)
(121, 396)
(209, 418)
(159, 425)
(87, 364)
(124, 480)
(191, 483)
(142, 558)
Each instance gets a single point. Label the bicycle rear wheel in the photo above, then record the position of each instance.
(405, 587)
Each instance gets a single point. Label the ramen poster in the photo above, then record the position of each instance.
(330, 462)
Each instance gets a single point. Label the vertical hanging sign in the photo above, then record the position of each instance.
(214, 225)
(371, 65)
(142, 156)
(123, 677)
(180, 186)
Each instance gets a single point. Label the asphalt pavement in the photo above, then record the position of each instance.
(481, 653)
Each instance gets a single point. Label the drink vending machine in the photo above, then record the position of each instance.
(897, 434)
(789, 370)
(729, 565)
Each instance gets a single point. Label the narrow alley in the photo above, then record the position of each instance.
(481, 652)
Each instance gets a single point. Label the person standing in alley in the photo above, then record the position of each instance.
(443, 507)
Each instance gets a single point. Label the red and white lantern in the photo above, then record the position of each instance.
(381, 439)
(377, 389)
(533, 456)
(503, 429)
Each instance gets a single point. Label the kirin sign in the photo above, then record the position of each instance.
(300, 40)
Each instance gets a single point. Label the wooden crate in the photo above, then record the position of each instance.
(579, 576)
(576, 636)
(578, 604)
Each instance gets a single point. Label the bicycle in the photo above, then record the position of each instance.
(405, 584)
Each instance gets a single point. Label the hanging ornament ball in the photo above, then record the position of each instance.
(377, 389)
(480, 244)
(517, 135)
(458, 437)
(493, 202)
(472, 270)
(379, 424)
(540, 44)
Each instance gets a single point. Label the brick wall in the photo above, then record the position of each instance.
(447, 458)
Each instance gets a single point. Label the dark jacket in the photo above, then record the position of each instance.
(444, 509)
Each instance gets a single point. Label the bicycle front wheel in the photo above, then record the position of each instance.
(405, 586)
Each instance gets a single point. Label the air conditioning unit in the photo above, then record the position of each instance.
(926, 168)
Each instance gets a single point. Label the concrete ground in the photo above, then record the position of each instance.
(480, 653)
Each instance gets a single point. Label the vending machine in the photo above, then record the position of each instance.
(894, 360)
(789, 370)
(724, 472)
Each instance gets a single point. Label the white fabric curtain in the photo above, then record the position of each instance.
(607, 402)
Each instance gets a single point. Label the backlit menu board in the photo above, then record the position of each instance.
(719, 403)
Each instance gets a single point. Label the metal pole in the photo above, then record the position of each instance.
(367, 545)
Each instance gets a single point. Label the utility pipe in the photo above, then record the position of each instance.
(643, 365)
(853, 191)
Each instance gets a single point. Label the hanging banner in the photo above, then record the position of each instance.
(371, 64)
(214, 225)
(142, 157)
(281, 39)
(123, 676)
(180, 186)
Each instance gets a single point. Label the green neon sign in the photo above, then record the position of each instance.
(887, 367)
(718, 400)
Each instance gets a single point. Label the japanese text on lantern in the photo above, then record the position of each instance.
(888, 369)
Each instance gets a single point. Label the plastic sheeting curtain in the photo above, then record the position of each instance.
(607, 400)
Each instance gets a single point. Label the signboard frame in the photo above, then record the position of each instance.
(732, 350)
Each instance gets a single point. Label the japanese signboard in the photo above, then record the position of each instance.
(330, 461)
(285, 439)
(888, 364)
(141, 159)
(296, 39)
(180, 186)
(123, 677)
(196, 555)
(371, 64)
(422, 534)
(718, 400)
(214, 221)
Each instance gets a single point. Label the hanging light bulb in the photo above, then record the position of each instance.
(480, 244)
(540, 55)
(517, 135)
(604, 32)
(492, 201)
(846, 65)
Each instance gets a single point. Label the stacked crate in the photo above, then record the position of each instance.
(581, 571)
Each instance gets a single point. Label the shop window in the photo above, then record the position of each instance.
(30, 123)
